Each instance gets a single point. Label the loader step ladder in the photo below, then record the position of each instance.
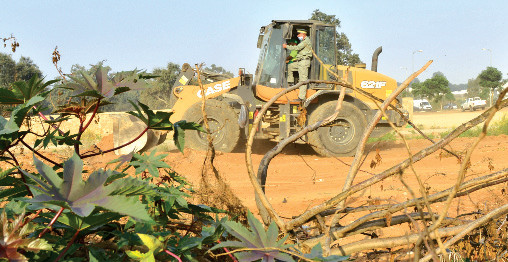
(288, 123)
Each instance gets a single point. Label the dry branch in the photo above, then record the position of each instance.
(473, 225)
(465, 189)
(265, 208)
(214, 190)
(369, 222)
(399, 168)
(410, 239)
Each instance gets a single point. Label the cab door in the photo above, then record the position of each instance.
(326, 49)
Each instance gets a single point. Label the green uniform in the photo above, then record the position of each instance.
(301, 64)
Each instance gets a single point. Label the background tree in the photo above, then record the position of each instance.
(434, 89)
(157, 97)
(10, 72)
(474, 89)
(7, 70)
(26, 68)
(219, 70)
(449, 97)
(490, 77)
(345, 55)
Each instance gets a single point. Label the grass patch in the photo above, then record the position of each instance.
(90, 137)
(497, 128)
(390, 136)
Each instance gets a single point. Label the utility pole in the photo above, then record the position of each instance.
(413, 67)
(490, 51)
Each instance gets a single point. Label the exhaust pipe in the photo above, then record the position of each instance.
(374, 58)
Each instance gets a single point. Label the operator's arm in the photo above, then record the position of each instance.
(301, 45)
(298, 47)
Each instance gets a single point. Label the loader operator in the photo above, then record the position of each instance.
(301, 62)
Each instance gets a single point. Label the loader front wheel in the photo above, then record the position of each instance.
(342, 135)
(223, 123)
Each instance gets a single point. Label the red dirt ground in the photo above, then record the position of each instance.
(299, 179)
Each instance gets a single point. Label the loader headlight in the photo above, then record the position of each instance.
(178, 90)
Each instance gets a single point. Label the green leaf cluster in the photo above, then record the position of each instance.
(26, 97)
(91, 204)
(83, 196)
(154, 245)
(263, 243)
(14, 237)
(102, 86)
(160, 121)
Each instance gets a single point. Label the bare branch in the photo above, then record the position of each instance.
(503, 210)
(466, 188)
(399, 168)
(458, 231)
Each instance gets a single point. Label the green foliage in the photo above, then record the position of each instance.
(104, 87)
(345, 55)
(26, 96)
(158, 95)
(91, 203)
(179, 132)
(390, 136)
(264, 244)
(82, 196)
(154, 245)
(496, 128)
(14, 236)
(7, 70)
(490, 77)
(9, 129)
(26, 69)
(474, 89)
(153, 120)
(65, 139)
(10, 72)
(12, 187)
(24, 91)
(316, 254)
(149, 162)
(435, 88)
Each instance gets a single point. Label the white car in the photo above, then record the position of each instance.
(473, 104)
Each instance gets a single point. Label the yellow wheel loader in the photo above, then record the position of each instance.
(233, 103)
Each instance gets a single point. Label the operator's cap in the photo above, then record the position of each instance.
(301, 31)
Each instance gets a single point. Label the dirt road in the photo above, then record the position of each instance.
(299, 178)
(450, 118)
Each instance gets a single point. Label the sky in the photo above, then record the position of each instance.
(150, 34)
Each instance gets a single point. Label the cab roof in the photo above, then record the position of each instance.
(302, 22)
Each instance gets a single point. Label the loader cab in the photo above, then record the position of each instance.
(271, 70)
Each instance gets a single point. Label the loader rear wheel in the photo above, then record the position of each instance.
(341, 136)
(223, 124)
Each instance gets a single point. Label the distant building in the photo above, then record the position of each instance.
(460, 92)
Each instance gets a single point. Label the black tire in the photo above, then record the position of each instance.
(223, 123)
(340, 137)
